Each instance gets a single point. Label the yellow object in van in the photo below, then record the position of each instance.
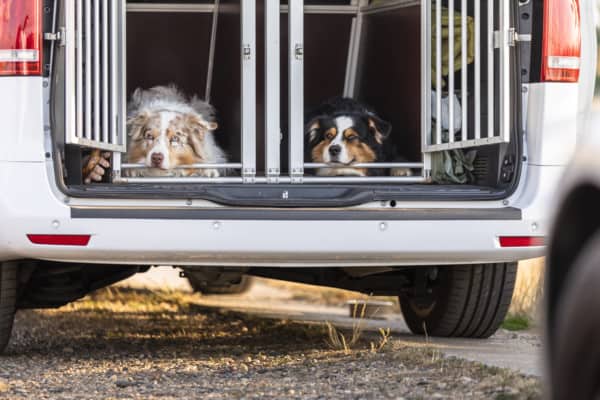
(457, 41)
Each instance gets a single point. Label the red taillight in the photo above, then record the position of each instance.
(60, 240)
(20, 37)
(561, 46)
(522, 241)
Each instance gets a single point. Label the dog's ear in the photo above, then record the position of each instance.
(312, 129)
(379, 128)
(198, 127)
(136, 124)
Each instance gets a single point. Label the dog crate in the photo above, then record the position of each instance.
(262, 63)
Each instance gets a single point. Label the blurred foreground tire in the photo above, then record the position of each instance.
(468, 301)
(8, 300)
(575, 339)
(208, 289)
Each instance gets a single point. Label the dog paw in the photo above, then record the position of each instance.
(401, 172)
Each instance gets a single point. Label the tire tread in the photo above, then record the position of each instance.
(476, 305)
(8, 300)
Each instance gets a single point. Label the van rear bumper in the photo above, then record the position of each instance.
(177, 233)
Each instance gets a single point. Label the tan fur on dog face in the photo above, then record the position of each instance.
(179, 138)
(358, 151)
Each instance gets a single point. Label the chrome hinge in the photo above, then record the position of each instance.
(511, 37)
(299, 52)
(297, 175)
(249, 175)
(59, 37)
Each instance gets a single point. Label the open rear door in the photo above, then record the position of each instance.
(453, 116)
(94, 74)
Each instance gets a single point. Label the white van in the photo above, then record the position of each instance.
(510, 98)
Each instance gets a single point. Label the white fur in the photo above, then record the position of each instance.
(168, 102)
(342, 124)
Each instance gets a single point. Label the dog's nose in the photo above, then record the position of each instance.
(335, 150)
(157, 159)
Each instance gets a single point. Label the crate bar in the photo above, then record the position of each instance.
(477, 71)
(209, 8)
(464, 69)
(466, 144)
(364, 179)
(211, 52)
(114, 71)
(306, 165)
(88, 70)
(349, 82)
(93, 41)
(119, 90)
(191, 166)
(490, 68)
(365, 165)
(198, 179)
(79, 74)
(387, 6)
(272, 90)
(122, 118)
(296, 90)
(426, 125)
(451, 71)
(283, 180)
(248, 60)
(438, 71)
(97, 145)
(103, 134)
(325, 9)
(71, 102)
(505, 62)
(171, 8)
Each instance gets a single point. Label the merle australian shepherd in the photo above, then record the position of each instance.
(342, 132)
(168, 130)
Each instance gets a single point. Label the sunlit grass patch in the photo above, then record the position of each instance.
(516, 323)
(116, 299)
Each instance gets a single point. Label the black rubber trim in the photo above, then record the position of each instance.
(501, 214)
(297, 196)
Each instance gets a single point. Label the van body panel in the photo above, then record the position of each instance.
(285, 243)
(551, 124)
(21, 119)
(32, 202)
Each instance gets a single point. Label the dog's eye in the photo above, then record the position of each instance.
(175, 139)
(148, 135)
(330, 136)
(352, 138)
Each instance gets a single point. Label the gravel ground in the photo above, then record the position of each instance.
(136, 344)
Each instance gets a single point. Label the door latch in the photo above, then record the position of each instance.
(511, 37)
(60, 37)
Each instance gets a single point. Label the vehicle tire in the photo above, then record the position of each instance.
(208, 289)
(8, 301)
(464, 301)
(574, 352)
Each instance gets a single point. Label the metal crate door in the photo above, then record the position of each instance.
(95, 74)
(445, 121)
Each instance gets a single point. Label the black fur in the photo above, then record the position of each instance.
(327, 112)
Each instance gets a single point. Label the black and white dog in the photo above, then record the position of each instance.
(342, 132)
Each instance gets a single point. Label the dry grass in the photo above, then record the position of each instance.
(337, 339)
(323, 295)
(529, 289)
(166, 345)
